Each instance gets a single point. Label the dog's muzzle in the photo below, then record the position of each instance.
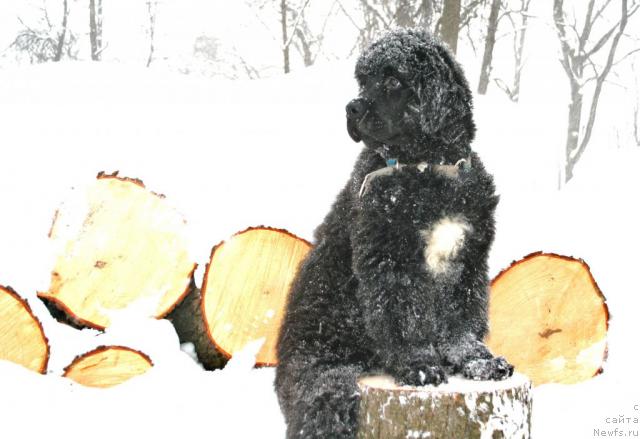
(356, 109)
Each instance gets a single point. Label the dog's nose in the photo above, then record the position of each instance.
(355, 108)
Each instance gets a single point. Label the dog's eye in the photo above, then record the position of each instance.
(392, 83)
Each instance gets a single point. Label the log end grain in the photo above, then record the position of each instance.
(115, 243)
(548, 317)
(22, 338)
(107, 366)
(246, 287)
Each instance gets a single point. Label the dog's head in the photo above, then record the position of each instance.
(411, 89)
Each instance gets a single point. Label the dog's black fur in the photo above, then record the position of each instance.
(368, 299)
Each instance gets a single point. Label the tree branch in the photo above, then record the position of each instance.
(600, 82)
(295, 24)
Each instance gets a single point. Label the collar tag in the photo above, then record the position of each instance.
(392, 162)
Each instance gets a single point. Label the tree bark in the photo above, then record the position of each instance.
(428, 12)
(63, 32)
(519, 51)
(460, 409)
(573, 131)
(285, 37)
(490, 41)
(151, 9)
(191, 327)
(95, 29)
(450, 23)
(404, 14)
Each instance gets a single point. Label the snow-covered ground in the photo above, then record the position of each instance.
(230, 155)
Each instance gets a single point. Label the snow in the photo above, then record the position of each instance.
(234, 154)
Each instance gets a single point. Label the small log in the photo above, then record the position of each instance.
(243, 295)
(107, 366)
(549, 319)
(460, 409)
(121, 243)
(22, 338)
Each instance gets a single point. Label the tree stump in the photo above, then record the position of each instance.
(459, 409)
(549, 319)
(22, 339)
(119, 243)
(107, 366)
(243, 296)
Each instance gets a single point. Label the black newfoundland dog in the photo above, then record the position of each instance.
(397, 282)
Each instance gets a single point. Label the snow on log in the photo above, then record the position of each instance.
(243, 295)
(22, 339)
(460, 409)
(107, 366)
(549, 319)
(119, 243)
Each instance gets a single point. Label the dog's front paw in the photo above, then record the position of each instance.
(484, 369)
(421, 376)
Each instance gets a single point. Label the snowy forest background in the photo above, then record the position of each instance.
(596, 44)
(235, 111)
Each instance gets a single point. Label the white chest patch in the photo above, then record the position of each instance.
(443, 242)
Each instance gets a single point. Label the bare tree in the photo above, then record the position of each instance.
(42, 41)
(285, 37)
(152, 10)
(636, 122)
(579, 50)
(307, 43)
(450, 23)
(519, 36)
(490, 41)
(95, 29)
(63, 31)
(380, 15)
(636, 107)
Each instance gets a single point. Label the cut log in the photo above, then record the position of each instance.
(459, 409)
(243, 295)
(188, 321)
(549, 319)
(118, 244)
(107, 366)
(22, 339)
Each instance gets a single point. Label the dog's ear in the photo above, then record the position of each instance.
(353, 130)
(443, 91)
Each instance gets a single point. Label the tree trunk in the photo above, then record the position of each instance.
(22, 339)
(151, 9)
(285, 37)
(450, 23)
(107, 366)
(573, 131)
(519, 52)
(549, 319)
(490, 41)
(95, 28)
(118, 243)
(243, 295)
(63, 32)
(427, 10)
(404, 14)
(459, 409)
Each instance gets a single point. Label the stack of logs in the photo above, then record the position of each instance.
(128, 243)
